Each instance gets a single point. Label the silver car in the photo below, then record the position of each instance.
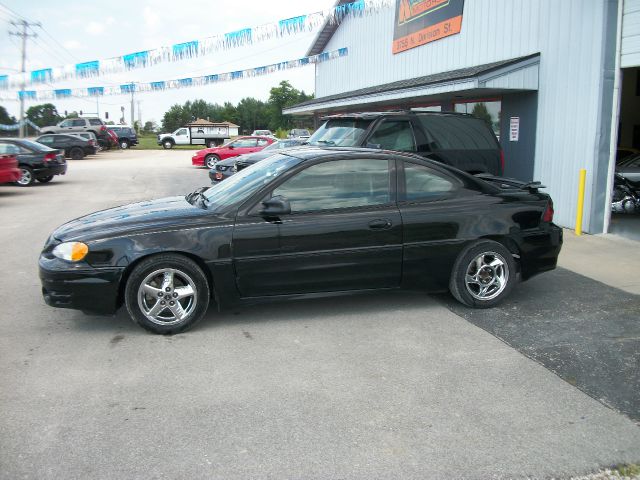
(630, 168)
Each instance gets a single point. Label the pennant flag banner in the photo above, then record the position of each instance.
(196, 48)
(8, 128)
(127, 88)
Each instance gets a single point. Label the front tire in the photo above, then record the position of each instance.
(211, 160)
(167, 294)
(26, 177)
(483, 275)
(76, 153)
(167, 144)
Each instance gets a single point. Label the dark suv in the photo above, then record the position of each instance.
(126, 136)
(456, 139)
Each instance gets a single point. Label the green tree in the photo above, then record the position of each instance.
(480, 111)
(43, 115)
(5, 118)
(281, 97)
(149, 127)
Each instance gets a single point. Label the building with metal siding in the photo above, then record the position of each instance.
(562, 93)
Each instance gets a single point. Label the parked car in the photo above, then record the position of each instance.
(622, 153)
(76, 125)
(9, 171)
(127, 136)
(241, 145)
(112, 140)
(72, 145)
(629, 168)
(89, 136)
(456, 139)
(35, 161)
(305, 222)
(299, 133)
(262, 133)
(225, 168)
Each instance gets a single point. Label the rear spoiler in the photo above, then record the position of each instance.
(502, 182)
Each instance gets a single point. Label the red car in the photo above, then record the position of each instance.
(9, 171)
(241, 145)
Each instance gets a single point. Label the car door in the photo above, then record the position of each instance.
(182, 137)
(243, 146)
(344, 232)
(438, 215)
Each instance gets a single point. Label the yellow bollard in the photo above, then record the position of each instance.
(583, 177)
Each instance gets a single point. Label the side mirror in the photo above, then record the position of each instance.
(275, 207)
(231, 147)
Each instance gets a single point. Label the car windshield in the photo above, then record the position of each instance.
(244, 183)
(343, 132)
(38, 147)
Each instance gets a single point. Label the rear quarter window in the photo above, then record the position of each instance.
(95, 121)
(452, 132)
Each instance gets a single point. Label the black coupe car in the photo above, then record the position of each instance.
(35, 161)
(305, 222)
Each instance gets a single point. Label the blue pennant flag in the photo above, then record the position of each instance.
(128, 88)
(291, 25)
(4, 81)
(41, 76)
(343, 51)
(239, 37)
(185, 50)
(88, 69)
(354, 7)
(237, 74)
(133, 60)
(62, 93)
(157, 85)
(211, 78)
(186, 82)
(260, 70)
(95, 91)
(27, 94)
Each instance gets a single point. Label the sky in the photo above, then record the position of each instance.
(76, 31)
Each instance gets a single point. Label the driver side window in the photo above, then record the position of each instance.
(338, 184)
(182, 131)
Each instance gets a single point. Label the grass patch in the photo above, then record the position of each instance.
(151, 143)
(631, 471)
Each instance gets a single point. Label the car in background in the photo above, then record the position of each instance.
(306, 222)
(241, 145)
(9, 171)
(225, 168)
(88, 136)
(76, 125)
(35, 160)
(457, 139)
(111, 139)
(629, 168)
(624, 152)
(73, 146)
(299, 133)
(262, 133)
(127, 136)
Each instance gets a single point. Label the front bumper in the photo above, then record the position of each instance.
(80, 286)
(198, 161)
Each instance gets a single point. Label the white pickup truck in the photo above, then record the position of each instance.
(209, 135)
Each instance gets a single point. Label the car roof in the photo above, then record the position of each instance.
(370, 115)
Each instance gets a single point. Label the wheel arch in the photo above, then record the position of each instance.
(510, 244)
(129, 269)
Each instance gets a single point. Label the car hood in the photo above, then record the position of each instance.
(135, 217)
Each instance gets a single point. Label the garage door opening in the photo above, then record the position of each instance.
(625, 219)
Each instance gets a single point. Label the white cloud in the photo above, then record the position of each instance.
(94, 28)
(152, 19)
(72, 45)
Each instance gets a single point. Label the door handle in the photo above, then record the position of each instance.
(380, 224)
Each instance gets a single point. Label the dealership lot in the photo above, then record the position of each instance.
(392, 385)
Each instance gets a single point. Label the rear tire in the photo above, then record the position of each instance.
(26, 177)
(211, 144)
(124, 144)
(211, 160)
(76, 153)
(483, 274)
(167, 294)
(45, 179)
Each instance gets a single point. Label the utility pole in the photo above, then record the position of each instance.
(24, 34)
(132, 104)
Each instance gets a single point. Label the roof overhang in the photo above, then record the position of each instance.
(488, 80)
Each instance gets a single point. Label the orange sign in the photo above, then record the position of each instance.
(422, 21)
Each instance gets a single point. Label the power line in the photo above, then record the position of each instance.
(71, 55)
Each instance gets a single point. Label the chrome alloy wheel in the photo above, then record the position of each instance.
(487, 276)
(167, 296)
(26, 177)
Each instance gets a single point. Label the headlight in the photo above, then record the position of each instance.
(71, 251)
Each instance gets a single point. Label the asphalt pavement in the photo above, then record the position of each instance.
(392, 385)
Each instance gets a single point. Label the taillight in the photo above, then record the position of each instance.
(547, 216)
(91, 142)
(103, 128)
(502, 160)
(50, 157)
